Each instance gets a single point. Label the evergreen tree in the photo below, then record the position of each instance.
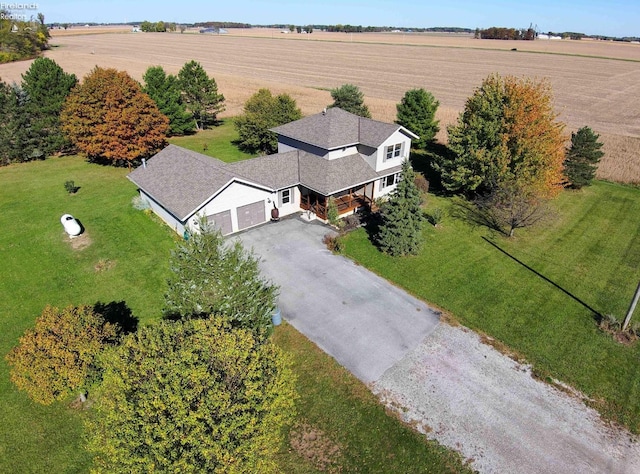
(263, 112)
(400, 232)
(583, 157)
(209, 278)
(200, 94)
(417, 112)
(350, 98)
(165, 92)
(47, 86)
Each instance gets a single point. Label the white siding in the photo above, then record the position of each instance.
(161, 212)
(283, 148)
(346, 151)
(398, 137)
(232, 197)
(290, 208)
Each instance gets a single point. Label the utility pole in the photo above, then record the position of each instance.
(634, 302)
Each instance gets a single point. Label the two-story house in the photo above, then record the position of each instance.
(331, 154)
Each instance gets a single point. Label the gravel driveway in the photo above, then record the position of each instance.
(471, 398)
(442, 379)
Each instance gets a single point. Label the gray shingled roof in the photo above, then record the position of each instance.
(338, 128)
(181, 180)
(274, 171)
(330, 176)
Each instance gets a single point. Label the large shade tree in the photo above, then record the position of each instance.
(163, 88)
(508, 132)
(262, 112)
(192, 396)
(59, 355)
(108, 117)
(417, 112)
(200, 94)
(349, 97)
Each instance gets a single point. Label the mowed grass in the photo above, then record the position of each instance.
(127, 260)
(215, 141)
(591, 250)
(40, 267)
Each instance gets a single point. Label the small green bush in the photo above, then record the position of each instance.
(70, 187)
(334, 243)
(436, 216)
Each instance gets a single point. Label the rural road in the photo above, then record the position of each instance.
(441, 379)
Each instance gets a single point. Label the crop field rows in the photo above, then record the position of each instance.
(601, 93)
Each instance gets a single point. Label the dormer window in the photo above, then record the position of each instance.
(394, 151)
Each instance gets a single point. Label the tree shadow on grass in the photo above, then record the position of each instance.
(117, 312)
(598, 316)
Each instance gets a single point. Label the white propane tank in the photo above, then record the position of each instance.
(71, 225)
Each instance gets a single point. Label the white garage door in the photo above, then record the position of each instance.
(221, 221)
(250, 215)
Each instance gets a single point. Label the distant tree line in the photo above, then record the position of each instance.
(222, 24)
(501, 33)
(373, 29)
(160, 26)
(21, 39)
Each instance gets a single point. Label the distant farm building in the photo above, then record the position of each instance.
(214, 31)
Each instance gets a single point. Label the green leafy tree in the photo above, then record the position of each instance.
(211, 277)
(583, 157)
(108, 117)
(165, 92)
(400, 231)
(417, 112)
(350, 98)
(20, 39)
(59, 355)
(200, 94)
(507, 133)
(161, 27)
(192, 396)
(262, 112)
(47, 86)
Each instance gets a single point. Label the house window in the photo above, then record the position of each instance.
(286, 196)
(390, 180)
(394, 151)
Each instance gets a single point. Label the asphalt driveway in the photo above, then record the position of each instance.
(442, 379)
(360, 319)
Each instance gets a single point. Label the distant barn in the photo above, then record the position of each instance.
(214, 31)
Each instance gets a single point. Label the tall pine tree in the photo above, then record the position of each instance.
(350, 98)
(47, 86)
(417, 112)
(163, 88)
(583, 156)
(401, 228)
(200, 94)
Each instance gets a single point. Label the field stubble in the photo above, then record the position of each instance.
(601, 93)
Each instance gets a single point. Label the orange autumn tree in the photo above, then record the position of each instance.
(109, 118)
(507, 136)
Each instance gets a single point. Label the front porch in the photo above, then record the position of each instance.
(346, 201)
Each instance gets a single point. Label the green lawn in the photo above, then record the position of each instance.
(127, 260)
(215, 142)
(591, 250)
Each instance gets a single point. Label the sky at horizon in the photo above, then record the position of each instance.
(593, 17)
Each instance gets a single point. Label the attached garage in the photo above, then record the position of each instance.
(251, 214)
(221, 221)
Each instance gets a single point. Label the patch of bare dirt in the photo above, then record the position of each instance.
(314, 445)
(80, 242)
(104, 265)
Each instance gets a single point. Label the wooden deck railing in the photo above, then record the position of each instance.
(345, 203)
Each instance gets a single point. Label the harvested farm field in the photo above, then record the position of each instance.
(595, 83)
